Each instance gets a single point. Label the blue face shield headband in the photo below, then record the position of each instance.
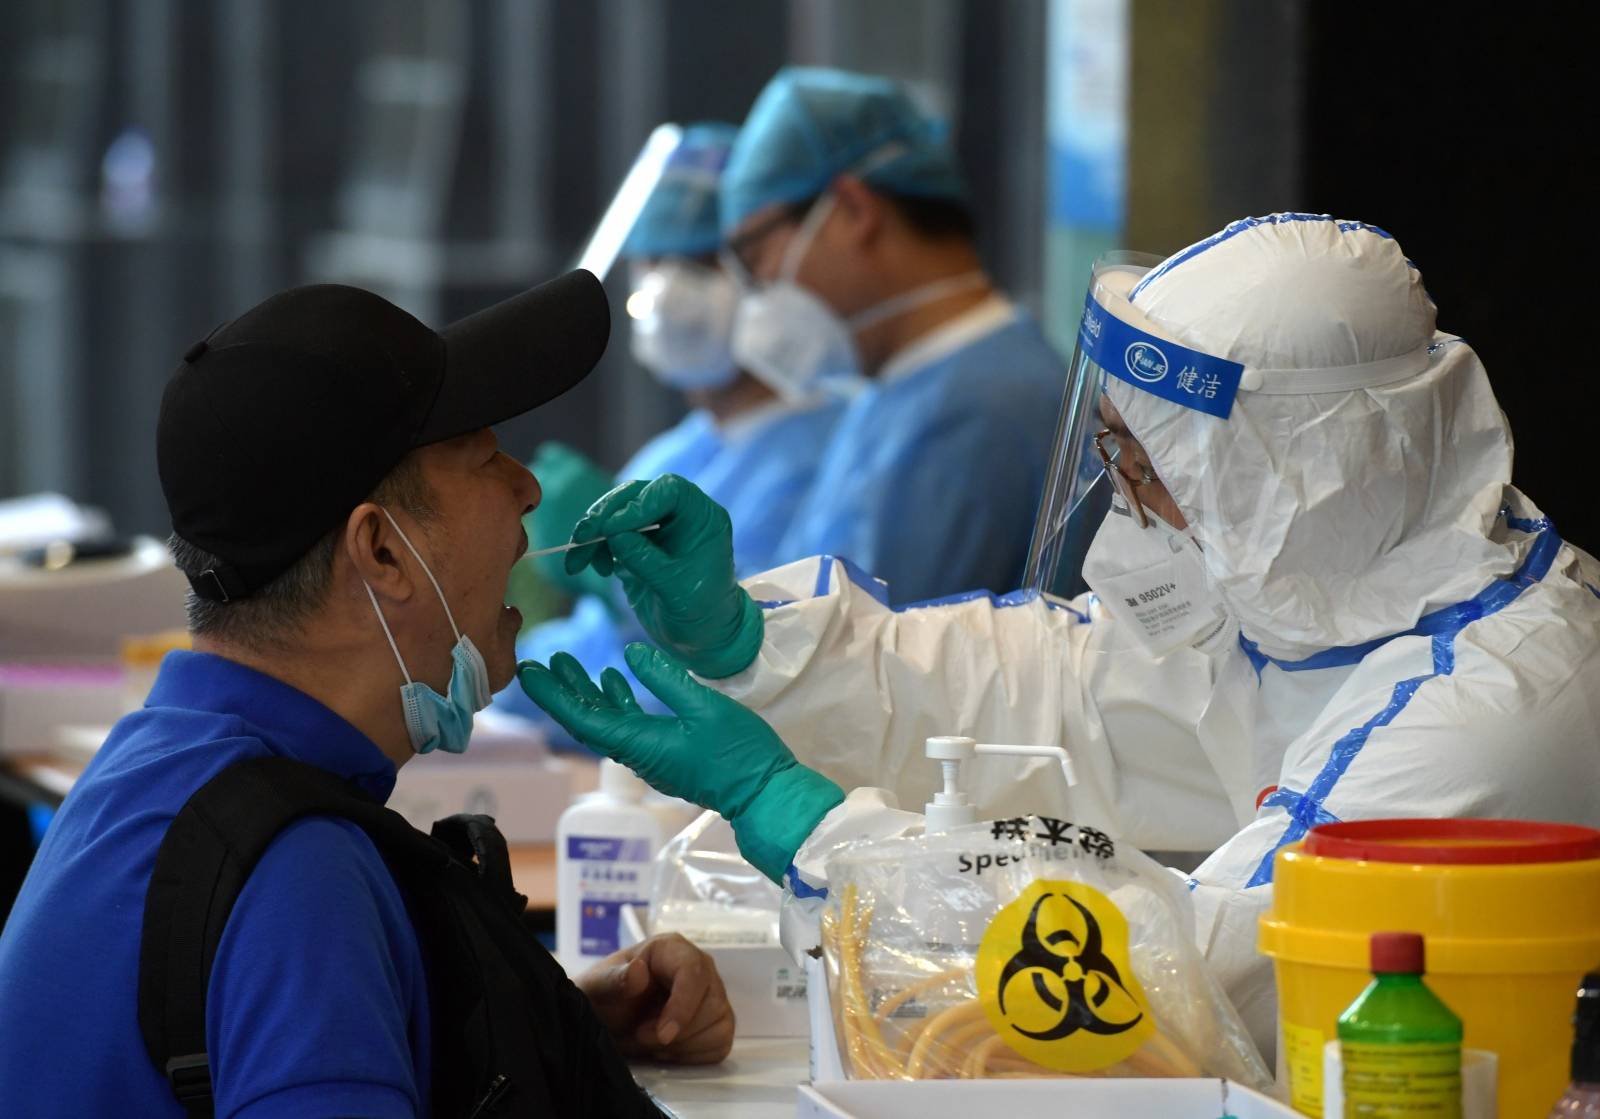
(433, 721)
(1160, 367)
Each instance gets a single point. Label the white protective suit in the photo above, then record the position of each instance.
(1417, 640)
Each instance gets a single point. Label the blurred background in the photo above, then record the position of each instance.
(164, 164)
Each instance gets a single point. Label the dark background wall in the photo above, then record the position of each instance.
(1464, 131)
(1467, 131)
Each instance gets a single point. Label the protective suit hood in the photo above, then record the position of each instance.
(1355, 484)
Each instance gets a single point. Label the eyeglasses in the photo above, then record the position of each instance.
(742, 246)
(1126, 487)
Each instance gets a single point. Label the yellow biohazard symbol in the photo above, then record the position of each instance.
(1055, 981)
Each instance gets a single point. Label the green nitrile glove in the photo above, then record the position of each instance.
(679, 578)
(712, 750)
(570, 483)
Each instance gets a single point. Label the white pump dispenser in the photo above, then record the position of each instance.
(952, 808)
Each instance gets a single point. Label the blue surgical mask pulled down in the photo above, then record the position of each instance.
(433, 721)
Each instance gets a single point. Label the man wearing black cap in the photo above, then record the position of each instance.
(348, 525)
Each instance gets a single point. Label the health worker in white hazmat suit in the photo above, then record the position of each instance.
(1316, 597)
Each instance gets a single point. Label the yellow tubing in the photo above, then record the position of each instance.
(959, 1014)
(944, 1059)
(977, 1061)
(890, 1005)
(832, 946)
(855, 1044)
(874, 1053)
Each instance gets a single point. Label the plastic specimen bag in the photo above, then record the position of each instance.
(706, 890)
(1021, 948)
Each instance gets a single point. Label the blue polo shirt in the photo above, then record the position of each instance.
(318, 1001)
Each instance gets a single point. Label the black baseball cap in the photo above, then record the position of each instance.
(280, 422)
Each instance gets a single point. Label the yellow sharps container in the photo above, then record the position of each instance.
(1511, 913)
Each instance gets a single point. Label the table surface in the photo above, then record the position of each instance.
(759, 1080)
(533, 865)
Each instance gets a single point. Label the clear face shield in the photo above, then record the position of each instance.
(1083, 479)
(1107, 522)
(680, 308)
(606, 239)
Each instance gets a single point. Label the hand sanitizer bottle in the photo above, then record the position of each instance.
(605, 844)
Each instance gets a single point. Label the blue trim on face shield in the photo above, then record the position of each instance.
(1305, 810)
(1233, 229)
(1188, 378)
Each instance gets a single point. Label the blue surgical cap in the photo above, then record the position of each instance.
(810, 125)
(680, 216)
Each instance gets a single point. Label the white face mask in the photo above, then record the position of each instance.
(682, 316)
(434, 721)
(794, 342)
(1153, 582)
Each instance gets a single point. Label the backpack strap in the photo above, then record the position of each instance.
(475, 839)
(210, 849)
(512, 1035)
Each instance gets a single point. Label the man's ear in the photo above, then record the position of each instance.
(862, 210)
(378, 556)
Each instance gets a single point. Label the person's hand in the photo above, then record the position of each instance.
(712, 750)
(678, 578)
(662, 998)
(570, 483)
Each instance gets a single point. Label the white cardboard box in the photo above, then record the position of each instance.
(37, 700)
(525, 798)
(1078, 1099)
(507, 772)
(765, 987)
(85, 609)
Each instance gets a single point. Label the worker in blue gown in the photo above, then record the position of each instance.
(845, 211)
(754, 450)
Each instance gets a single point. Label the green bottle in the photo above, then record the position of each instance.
(1401, 1046)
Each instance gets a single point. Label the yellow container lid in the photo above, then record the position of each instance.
(1465, 885)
